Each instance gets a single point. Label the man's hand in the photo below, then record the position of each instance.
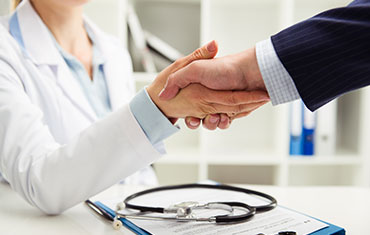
(199, 101)
(234, 72)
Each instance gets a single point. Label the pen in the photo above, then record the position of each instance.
(99, 210)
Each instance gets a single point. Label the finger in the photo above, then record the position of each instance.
(192, 122)
(235, 97)
(172, 86)
(211, 121)
(235, 109)
(224, 121)
(207, 51)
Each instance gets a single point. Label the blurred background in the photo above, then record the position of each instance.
(256, 149)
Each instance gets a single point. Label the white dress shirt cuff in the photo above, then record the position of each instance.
(278, 82)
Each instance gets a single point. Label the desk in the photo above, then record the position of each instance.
(326, 203)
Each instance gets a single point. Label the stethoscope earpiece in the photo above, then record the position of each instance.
(117, 224)
(120, 206)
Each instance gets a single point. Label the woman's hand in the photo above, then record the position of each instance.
(198, 101)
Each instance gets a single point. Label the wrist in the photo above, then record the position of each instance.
(251, 71)
(153, 90)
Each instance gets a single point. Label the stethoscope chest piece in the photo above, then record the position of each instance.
(183, 209)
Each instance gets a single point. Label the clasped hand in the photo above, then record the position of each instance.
(198, 87)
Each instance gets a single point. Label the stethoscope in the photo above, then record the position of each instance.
(183, 212)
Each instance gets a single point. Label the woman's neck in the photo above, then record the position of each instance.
(66, 24)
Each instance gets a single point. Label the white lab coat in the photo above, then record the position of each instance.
(53, 150)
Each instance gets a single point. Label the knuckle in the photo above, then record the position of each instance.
(178, 63)
(207, 109)
(195, 65)
(229, 73)
(232, 99)
(197, 54)
(195, 70)
(228, 69)
(170, 78)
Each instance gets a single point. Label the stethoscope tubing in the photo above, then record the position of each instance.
(271, 205)
(252, 210)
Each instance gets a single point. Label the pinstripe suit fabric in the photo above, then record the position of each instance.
(328, 54)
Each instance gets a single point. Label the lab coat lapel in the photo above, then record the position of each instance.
(72, 89)
(117, 68)
(41, 49)
(35, 36)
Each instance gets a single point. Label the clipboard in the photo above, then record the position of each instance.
(330, 230)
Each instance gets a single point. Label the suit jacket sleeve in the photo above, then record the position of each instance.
(328, 54)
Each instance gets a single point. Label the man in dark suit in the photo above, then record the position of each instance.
(316, 60)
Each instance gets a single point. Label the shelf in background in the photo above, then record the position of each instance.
(253, 159)
(326, 160)
(195, 156)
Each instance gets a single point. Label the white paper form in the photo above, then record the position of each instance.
(268, 223)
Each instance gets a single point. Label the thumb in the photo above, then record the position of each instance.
(207, 51)
(173, 86)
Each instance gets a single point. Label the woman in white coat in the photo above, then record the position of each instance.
(70, 125)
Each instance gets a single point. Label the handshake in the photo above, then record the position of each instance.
(215, 91)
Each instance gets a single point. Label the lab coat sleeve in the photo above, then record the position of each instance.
(56, 177)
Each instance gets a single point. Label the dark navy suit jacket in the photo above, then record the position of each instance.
(328, 54)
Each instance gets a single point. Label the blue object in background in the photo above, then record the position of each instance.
(296, 120)
(295, 145)
(308, 141)
(308, 131)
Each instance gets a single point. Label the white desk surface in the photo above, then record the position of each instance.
(348, 207)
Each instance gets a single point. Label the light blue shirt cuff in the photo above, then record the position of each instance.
(155, 125)
(278, 82)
